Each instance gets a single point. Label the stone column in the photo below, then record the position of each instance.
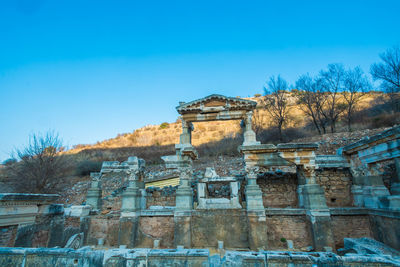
(93, 197)
(131, 196)
(186, 136)
(183, 207)
(258, 238)
(249, 135)
(312, 198)
(131, 204)
(254, 201)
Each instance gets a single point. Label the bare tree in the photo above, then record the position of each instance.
(40, 167)
(276, 102)
(332, 82)
(312, 101)
(388, 72)
(356, 85)
(259, 119)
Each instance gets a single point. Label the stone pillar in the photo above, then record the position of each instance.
(186, 136)
(254, 201)
(131, 197)
(93, 197)
(183, 208)
(258, 238)
(131, 204)
(395, 187)
(249, 135)
(312, 198)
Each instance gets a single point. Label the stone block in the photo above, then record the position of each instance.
(314, 196)
(78, 211)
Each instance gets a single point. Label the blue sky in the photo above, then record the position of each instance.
(92, 69)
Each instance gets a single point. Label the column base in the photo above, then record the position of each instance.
(254, 201)
(93, 198)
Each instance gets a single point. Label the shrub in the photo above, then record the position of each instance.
(257, 95)
(41, 168)
(164, 125)
(87, 166)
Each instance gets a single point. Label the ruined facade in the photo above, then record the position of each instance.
(316, 204)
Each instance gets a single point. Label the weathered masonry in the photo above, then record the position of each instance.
(287, 197)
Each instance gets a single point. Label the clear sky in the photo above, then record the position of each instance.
(92, 69)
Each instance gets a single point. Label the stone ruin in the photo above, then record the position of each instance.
(324, 210)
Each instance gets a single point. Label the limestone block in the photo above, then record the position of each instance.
(201, 188)
(372, 194)
(389, 202)
(395, 188)
(78, 211)
(210, 173)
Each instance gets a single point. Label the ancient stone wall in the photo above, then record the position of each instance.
(105, 227)
(281, 228)
(279, 190)
(337, 186)
(354, 226)
(156, 228)
(209, 227)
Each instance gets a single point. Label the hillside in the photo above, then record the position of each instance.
(205, 132)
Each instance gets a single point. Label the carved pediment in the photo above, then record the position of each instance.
(215, 103)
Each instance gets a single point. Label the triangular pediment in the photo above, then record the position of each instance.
(215, 103)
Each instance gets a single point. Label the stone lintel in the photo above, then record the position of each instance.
(256, 149)
(215, 102)
(297, 147)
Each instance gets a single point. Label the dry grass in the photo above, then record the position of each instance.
(167, 134)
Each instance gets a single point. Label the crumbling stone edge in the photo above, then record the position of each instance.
(183, 257)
